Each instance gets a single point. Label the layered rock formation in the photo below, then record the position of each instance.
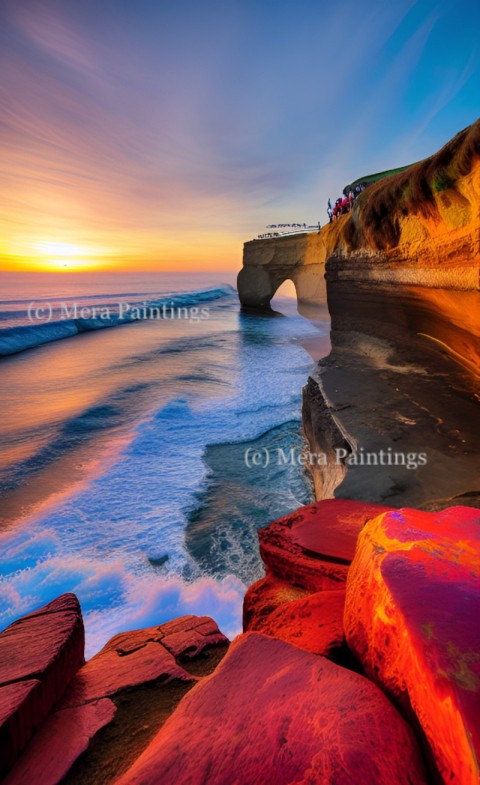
(403, 294)
(39, 655)
(402, 287)
(107, 710)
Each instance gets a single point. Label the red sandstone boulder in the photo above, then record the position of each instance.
(39, 655)
(412, 617)
(264, 597)
(313, 623)
(271, 713)
(128, 688)
(314, 546)
(134, 658)
(59, 742)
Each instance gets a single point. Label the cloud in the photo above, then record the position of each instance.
(46, 26)
(150, 123)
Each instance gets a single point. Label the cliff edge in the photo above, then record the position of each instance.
(420, 227)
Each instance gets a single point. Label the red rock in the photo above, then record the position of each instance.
(108, 673)
(18, 701)
(141, 656)
(411, 617)
(265, 596)
(39, 655)
(34, 644)
(313, 623)
(129, 662)
(186, 636)
(314, 546)
(191, 637)
(59, 742)
(272, 713)
(131, 659)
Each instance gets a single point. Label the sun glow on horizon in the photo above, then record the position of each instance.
(59, 256)
(186, 251)
(67, 256)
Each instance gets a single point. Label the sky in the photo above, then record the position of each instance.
(152, 135)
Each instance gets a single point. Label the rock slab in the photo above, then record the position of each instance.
(115, 701)
(39, 655)
(314, 546)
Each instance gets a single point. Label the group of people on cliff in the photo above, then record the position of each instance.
(344, 203)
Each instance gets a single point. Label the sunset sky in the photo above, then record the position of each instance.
(148, 135)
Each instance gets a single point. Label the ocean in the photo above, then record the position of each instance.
(130, 407)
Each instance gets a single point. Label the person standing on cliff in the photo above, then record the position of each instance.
(330, 211)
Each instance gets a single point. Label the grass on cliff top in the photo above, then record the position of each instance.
(372, 178)
(375, 219)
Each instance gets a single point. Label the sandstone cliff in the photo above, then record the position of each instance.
(400, 275)
(420, 227)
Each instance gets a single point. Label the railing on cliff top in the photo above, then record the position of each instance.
(283, 230)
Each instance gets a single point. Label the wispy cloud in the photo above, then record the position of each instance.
(45, 25)
(132, 127)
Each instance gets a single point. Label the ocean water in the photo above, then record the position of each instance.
(123, 468)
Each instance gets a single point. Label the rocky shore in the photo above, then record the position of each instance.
(359, 663)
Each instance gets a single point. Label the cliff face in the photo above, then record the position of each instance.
(420, 227)
(415, 238)
(401, 277)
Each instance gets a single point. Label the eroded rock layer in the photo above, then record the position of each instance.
(117, 701)
(314, 546)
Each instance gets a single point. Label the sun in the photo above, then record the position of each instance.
(62, 256)
(68, 265)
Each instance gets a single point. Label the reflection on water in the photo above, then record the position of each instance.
(104, 437)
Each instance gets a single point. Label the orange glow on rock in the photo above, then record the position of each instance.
(411, 617)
